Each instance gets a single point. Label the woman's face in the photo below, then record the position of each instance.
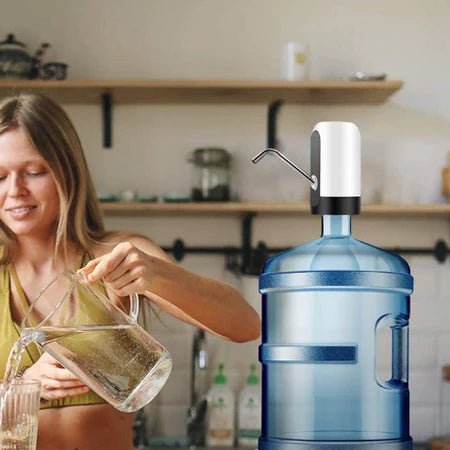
(29, 201)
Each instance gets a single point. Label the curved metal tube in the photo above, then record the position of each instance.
(311, 178)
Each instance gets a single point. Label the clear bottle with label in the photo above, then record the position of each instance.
(249, 418)
(220, 413)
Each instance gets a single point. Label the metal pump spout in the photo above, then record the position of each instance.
(311, 178)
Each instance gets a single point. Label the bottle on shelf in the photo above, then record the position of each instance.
(220, 430)
(249, 417)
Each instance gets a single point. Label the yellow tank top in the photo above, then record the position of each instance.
(10, 332)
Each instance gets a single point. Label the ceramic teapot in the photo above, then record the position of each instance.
(15, 62)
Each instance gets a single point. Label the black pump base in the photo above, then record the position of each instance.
(287, 444)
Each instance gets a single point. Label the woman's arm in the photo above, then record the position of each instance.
(139, 266)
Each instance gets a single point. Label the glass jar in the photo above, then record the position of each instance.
(211, 175)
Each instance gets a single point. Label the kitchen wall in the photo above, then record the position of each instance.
(404, 141)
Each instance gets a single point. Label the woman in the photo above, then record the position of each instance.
(50, 221)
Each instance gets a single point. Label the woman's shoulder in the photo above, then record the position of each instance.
(107, 243)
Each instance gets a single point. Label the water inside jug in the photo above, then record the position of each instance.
(324, 306)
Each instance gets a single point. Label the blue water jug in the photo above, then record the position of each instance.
(324, 306)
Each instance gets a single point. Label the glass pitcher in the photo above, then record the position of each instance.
(98, 342)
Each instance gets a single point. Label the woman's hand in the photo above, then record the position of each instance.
(56, 381)
(126, 270)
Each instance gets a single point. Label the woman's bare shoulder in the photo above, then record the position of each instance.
(143, 243)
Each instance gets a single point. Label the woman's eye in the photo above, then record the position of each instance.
(37, 173)
(2, 177)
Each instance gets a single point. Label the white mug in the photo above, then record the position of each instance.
(295, 61)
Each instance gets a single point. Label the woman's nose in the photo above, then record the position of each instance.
(17, 186)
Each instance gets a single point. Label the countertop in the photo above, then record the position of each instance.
(416, 446)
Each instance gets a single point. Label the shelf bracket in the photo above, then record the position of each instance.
(107, 120)
(246, 242)
(272, 114)
(252, 260)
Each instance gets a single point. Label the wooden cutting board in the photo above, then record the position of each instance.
(442, 443)
(446, 178)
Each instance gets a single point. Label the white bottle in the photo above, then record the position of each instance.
(295, 61)
(249, 419)
(220, 413)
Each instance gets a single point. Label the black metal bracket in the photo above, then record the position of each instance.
(272, 114)
(107, 120)
(246, 241)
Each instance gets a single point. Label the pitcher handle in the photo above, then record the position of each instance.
(134, 307)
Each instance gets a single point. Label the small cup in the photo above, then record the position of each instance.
(295, 61)
(19, 418)
(54, 71)
(128, 195)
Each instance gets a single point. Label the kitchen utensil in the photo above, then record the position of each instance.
(54, 71)
(147, 198)
(38, 59)
(98, 342)
(295, 61)
(442, 438)
(364, 76)
(128, 195)
(446, 179)
(19, 418)
(15, 62)
(326, 307)
(442, 443)
(176, 198)
(107, 197)
(211, 178)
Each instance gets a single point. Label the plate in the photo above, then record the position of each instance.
(176, 198)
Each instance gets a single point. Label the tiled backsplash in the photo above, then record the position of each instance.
(429, 347)
(429, 350)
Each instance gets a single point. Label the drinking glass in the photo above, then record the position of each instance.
(19, 418)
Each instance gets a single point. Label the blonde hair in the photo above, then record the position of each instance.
(51, 132)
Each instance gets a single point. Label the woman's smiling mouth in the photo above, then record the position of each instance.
(20, 211)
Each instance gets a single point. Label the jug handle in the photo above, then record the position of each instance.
(134, 307)
(399, 334)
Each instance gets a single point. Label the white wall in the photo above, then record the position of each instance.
(404, 141)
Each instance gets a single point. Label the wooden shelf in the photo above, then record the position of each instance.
(119, 208)
(206, 91)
